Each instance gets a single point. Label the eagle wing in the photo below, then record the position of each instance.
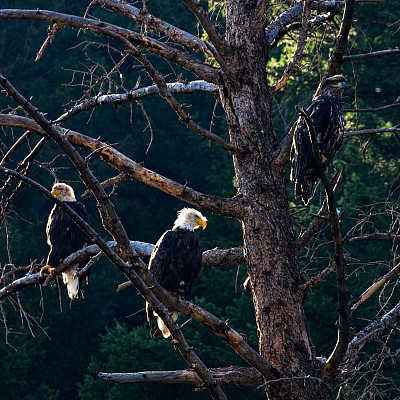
(176, 261)
(327, 118)
(63, 235)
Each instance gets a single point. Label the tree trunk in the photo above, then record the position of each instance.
(267, 225)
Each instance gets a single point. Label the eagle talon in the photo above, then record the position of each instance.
(47, 270)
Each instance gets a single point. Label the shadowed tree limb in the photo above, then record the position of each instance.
(229, 207)
(332, 364)
(184, 59)
(335, 59)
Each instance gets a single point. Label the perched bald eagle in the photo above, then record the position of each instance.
(327, 116)
(176, 259)
(65, 237)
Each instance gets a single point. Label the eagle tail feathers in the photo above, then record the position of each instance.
(71, 279)
(162, 327)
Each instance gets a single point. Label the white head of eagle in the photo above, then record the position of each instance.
(63, 191)
(176, 259)
(65, 237)
(189, 218)
(326, 114)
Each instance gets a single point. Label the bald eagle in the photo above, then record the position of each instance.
(327, 116)
(65, 237)
(176, 259)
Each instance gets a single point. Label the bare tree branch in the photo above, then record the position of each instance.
(371, 131)
(309, 233)
(373, 54)
(220, 48)
(367, 110)
(136, 94)
(370, 333)
(332, 364)
(153, 46)
(373, 288)
(230, 376)
(150, 21)
(335, 59)
(228, 207)
(282, 23)
(292, 67)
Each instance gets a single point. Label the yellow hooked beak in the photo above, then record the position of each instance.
(55, 192)
(203, 224)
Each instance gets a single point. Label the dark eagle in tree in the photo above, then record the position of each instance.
(176, 259)
(65, 237)
(327, 117)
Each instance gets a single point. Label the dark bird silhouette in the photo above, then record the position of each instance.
(65, 237)
(176, 259)
(327, 117)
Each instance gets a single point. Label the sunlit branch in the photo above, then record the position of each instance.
(212, 203)
(373, 54)
(230, 376)
(153, 23)
(153, 46)
(132, 95)
(298, 53)
(373, 288)
(282, 23)
(370, 333)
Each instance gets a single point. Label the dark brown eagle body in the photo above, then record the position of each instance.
(176, 261)
(65, 237)
(327, 117)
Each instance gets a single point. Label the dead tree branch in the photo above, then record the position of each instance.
(335, 59)
(373, 54)
(228, 207)
(230, 376)
(331, 366)
(369, 334)
(373, 288)
(292, 67)
(179, 57)
(148, 20)
(371, 131)
(136, 94)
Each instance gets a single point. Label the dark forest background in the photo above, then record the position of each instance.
(59, 355)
